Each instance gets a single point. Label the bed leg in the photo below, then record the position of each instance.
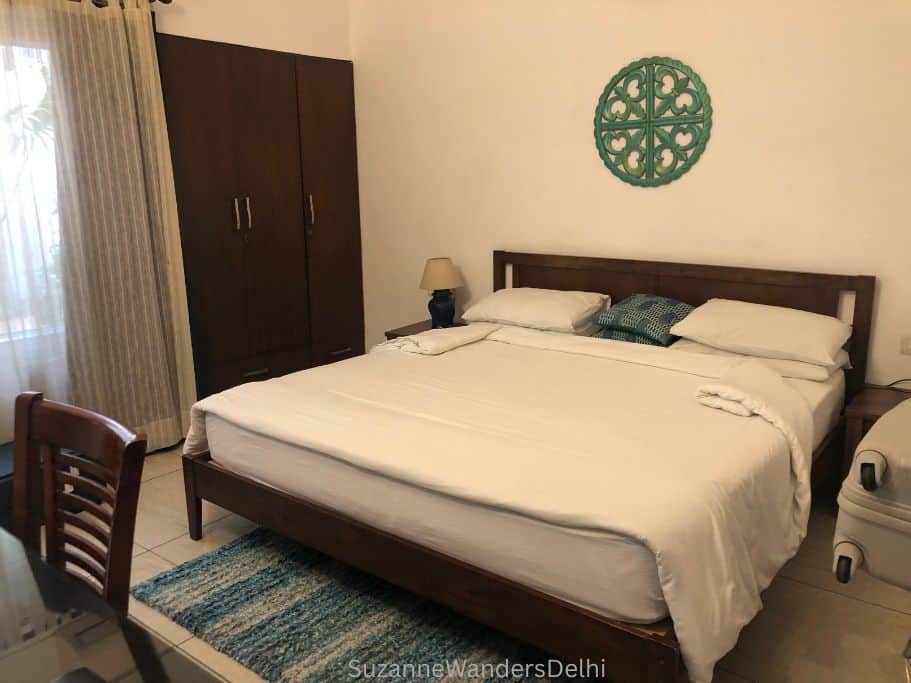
(194, 502)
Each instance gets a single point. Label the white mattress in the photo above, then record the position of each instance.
(826, 400)
(584, 567)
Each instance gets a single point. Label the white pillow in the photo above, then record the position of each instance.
(542, 309)
(766, 331)
(786, 368)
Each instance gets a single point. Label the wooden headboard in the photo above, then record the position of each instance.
(696, 284)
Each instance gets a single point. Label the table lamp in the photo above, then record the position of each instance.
(441, 277)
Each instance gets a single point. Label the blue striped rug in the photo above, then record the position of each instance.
(290, 613)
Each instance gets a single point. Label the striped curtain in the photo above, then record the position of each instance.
(122, 301)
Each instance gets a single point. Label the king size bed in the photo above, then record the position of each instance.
(569, 491)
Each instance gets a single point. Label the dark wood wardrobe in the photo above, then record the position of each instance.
(265, 165)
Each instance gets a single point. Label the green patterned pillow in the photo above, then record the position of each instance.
(643, 318)
(623, 335)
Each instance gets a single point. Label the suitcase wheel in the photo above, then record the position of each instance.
(848, 559)
(843, 569)
(868, 476)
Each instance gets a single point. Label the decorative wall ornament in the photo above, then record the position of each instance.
(653, 121)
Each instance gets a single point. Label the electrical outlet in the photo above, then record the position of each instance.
(906, 345)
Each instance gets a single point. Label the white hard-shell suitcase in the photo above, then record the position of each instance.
(874, 506)
(873, 531)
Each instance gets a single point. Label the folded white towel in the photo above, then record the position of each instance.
(751, 388)
(435, 342)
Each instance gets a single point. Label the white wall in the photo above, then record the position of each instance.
(475, 133)
(310, 27)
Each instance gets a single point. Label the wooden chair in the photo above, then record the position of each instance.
(80, 471)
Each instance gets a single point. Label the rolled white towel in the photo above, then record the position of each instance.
(435, 342)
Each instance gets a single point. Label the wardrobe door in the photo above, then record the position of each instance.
(329, 163)
(268, 147)
(199, 96)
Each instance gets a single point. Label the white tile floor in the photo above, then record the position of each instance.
(812, 630)
(161, 541)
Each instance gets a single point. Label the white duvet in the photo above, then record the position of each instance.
(582, 432)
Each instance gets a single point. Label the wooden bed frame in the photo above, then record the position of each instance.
(632, 652)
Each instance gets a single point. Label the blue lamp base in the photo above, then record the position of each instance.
(442, 308)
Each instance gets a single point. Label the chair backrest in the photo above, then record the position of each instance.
(81, 472)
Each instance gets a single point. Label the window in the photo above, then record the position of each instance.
(30, 284)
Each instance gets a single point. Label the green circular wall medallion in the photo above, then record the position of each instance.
(653, 121)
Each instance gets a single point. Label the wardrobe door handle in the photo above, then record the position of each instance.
(249, 213)
(312, 209)
(236, 214)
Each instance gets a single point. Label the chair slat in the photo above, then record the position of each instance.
(70, 500)
(89, 580)
(89, 486)
(100, 555)
(83, 464)
(85, 563)
(103, 535)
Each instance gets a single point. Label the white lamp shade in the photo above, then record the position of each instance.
(439, 273)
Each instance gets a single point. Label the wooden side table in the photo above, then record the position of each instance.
(414, 328)
(864, 409)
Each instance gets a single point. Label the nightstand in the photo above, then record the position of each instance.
(864, 409)
(415, 328)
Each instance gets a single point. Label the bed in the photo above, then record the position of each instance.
(538, 571)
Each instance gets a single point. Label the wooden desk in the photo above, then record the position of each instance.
(52, 627)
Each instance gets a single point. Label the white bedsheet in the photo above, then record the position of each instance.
(596, 436)
(585, 567)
